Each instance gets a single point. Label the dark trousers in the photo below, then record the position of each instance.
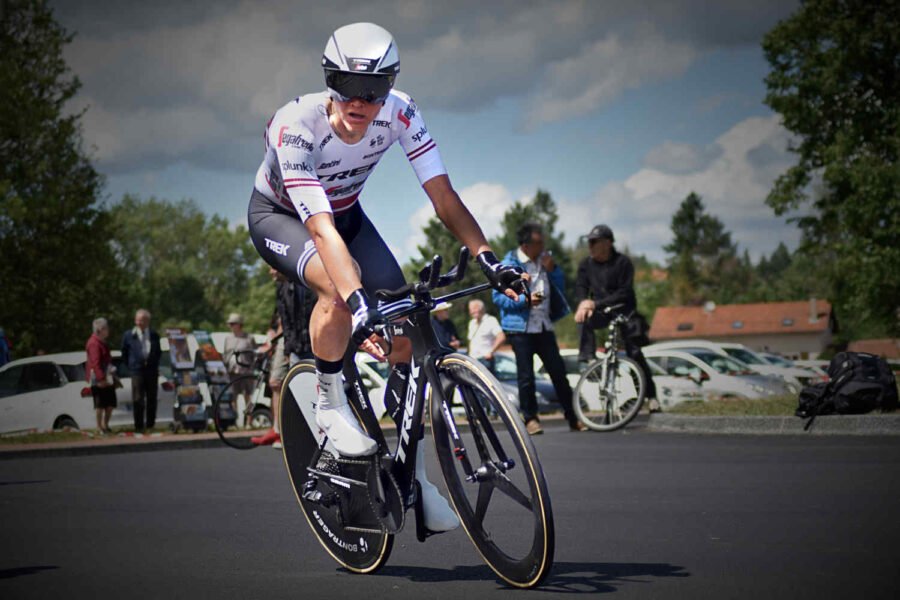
(525, 346)
(144, 387)
(587, 348)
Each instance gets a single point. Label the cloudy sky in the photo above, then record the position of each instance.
(618, 109)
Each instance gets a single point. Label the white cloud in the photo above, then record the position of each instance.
(733, 186)
(486, 201)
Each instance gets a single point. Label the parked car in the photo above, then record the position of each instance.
(670, 389)
(374, 375)
(507, 373)
(794, 377)
(50, 392)
(716, 374)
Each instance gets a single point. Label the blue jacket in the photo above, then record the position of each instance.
(514, 313)
(132, 353)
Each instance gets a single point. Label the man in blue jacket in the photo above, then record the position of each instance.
(528, 324)
(141, 353)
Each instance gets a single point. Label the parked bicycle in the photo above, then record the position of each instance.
(492, 472)
(243, 403)
(610, 392)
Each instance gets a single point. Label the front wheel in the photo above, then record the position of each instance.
(492, 473)
(609, 395)
(360, 546)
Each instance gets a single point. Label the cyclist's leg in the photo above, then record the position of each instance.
(587, 338)
(634, 352)
(380, 270)
(284, 243)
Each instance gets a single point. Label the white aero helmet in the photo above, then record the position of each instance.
(360, 61)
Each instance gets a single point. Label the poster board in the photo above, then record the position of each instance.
(208, 354)
(178, 350)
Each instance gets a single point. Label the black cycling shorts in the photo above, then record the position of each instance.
(283, 241)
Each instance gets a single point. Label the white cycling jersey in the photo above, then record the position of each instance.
(309, 169)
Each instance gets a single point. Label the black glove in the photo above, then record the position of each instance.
(502, 277)
(365, 318)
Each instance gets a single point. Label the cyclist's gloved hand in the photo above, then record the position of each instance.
(365, 317)
(502, 277)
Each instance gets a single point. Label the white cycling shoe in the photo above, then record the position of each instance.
(338, 421)
(439, 516)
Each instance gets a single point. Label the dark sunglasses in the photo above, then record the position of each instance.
(371, 88)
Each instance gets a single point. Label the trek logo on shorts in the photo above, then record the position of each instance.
(277, 247)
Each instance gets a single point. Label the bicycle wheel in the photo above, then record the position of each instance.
(505, 509)
(607, 405)
(229, 409)
(348, 532)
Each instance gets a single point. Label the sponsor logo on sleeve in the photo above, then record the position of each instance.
(418, 137)
(300, 166)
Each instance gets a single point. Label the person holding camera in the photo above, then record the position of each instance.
(528, 325)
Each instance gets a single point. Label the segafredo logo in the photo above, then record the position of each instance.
(277, 247)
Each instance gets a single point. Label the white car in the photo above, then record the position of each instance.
(670, 389)
(794, 377)
(50, 392)
(716, 374)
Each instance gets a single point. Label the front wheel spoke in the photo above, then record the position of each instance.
(485, 491)
(503, 483)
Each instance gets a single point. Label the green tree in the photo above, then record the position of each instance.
(57, 272)
(184, 266)
(703, 257)
(835, 80)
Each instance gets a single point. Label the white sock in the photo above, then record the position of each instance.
(335, 416)
(439, 516)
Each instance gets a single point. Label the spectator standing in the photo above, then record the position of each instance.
(606, 278)
(237, 343)
(528, 325)
(444, 327)
(290, 335)
(141, 353)
(5, 348)
(98, 372)
(484, 333)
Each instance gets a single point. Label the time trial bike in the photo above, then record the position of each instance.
(355, 506)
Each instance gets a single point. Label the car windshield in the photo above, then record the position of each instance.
(745, 356)
(722, 364)
(777, 360)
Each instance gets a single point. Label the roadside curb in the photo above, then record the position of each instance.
(823, 425)
(115, 445)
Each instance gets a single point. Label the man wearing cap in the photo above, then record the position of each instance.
(237, 342)
(141, 352)
(606, 278)
(444, 327)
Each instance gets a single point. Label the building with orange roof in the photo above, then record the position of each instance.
(802, 328)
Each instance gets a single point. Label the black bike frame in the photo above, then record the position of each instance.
(426, 352)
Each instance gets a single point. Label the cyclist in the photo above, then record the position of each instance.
(305, 219)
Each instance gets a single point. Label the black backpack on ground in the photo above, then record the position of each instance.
(860, 383)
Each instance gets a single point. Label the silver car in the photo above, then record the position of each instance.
(717, 375)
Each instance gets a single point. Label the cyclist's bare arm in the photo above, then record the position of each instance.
(454, 214)
(334, 254)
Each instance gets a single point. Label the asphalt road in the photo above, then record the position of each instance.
(638, 515)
